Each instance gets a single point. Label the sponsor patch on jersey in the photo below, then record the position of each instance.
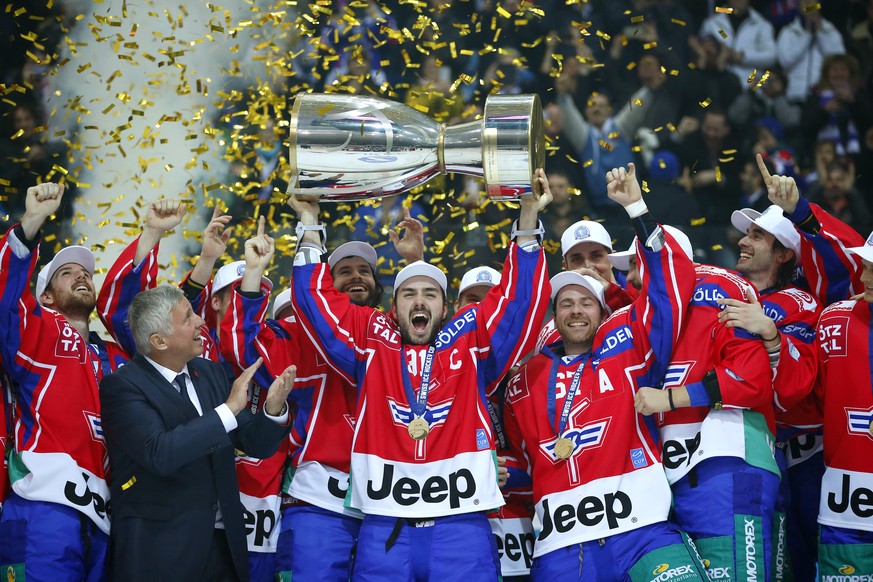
(832, 336)
(859, 420)
(773, 310)
(615, 342)
(804, 300)
(638, 458)
(706, 294)
(69, 343)
(516, 389)
(481, 439)
(802, 331)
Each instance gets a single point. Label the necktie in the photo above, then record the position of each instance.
(181, 387)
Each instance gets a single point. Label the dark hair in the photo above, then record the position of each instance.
(785, 274)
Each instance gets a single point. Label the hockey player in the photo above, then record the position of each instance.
(785, 320)
(717, 433)
(512, 524)
(317, 531)
(845, 509)
(423, 468)
(599, 486)
(54, 524)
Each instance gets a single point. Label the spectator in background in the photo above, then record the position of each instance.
(710, 79)
(748, 36)
(356, 74)
(714, 173)
(769, 100)
(559, 152)
(568, 206)
(431, 92)
(861, 45)
(28, 156)
(837, 109)
(836, 193)
(802, 47)
(754, 191)
(667, 198)
(602, 139)
(769, 143)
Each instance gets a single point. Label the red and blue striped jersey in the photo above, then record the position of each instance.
(742, 423)
(60, 454)
(325, 401)
(453, 469)
(846, 374)
(615, 462)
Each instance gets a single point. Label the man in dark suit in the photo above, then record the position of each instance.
(171, 423)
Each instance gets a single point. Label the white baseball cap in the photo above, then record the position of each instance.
(584, 231)
(233, 272)
(866, 251)
(72, 254)
(621, 259)
(479, 276)
(353, 249)
(281, 301)
(420, 268)
(771, 220)
(565, 278)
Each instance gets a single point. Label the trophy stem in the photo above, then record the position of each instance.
(462, 148)
(441, 144)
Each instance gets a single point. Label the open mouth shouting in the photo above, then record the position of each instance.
(420, 321)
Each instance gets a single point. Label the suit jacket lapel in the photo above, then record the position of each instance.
(167, 389)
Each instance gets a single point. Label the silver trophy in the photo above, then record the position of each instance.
(351, 147)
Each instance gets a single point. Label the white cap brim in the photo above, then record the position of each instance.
(354, 249)
(566, 278)
(233, 272)
(420, 269)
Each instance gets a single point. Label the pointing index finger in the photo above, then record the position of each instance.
(763, 168)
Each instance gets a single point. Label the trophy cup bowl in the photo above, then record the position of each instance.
(356, 147)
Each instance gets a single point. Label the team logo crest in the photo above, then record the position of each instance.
(240, 269)
(95, 425)
(435, 415)
(677, 374)
(483, 276)
(859, 421)
(869, 241)
(590, 435)
(582, 233)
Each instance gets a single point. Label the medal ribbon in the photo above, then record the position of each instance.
(95, 342)
(417, 405)
(571, 392)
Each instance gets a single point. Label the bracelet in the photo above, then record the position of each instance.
(636, 208)
(774, 338)
(538, 232)
(301, 229)
(670, 398)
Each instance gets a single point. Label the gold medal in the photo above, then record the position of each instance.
(871, 429)
(564, 448)
(418, 428)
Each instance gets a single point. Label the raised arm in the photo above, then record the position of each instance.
(135, 270)
(832, 273)
(20, 314)
(510, 315)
